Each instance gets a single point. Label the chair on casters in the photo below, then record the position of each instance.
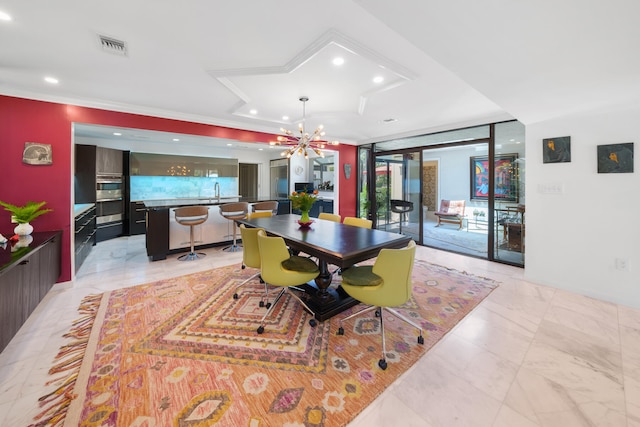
(232, 212)
(191, 216)
(329, 217)
(279, 268)
(251, 258)
(401, 207)
(385, 284)
(358, 222)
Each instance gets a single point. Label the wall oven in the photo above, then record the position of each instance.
(109, 206)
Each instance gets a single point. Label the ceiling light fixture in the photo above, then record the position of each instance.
(304, 141)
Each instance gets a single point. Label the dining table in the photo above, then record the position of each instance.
(332, 244)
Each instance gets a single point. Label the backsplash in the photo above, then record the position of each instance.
(180, 187)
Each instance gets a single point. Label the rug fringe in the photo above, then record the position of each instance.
(69, 361)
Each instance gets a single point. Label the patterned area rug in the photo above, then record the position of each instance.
(183, 352)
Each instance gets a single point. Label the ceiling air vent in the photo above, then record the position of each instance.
(111, 45)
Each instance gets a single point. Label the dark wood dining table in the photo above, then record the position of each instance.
(331, 243)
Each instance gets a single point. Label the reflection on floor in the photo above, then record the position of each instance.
(527, 356)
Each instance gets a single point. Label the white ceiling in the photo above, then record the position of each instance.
(446, 64)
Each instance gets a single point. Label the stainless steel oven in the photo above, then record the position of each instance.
(109, 206)
(109, 187)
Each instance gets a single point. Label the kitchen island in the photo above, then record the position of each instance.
(165, 236)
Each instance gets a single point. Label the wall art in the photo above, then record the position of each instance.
(36, 153)
(556, 150)
(506, 177)
(615, 158)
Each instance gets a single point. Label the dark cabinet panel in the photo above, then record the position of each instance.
(85, 174)
(147, 164)
(11, 313)
(157, 233)
(108, 161)
(137, 218)
(25, 281)
(84, 235)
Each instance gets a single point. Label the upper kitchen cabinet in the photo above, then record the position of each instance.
(108, 161)
(147, 164)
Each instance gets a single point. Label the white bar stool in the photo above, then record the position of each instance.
(233, 212)
(191, 216)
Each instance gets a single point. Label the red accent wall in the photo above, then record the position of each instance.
(24, 120)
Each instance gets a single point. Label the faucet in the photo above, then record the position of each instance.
(216, 189)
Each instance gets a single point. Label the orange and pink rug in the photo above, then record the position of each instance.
(183, 352)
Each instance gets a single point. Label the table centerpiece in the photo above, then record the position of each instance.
(303, 201)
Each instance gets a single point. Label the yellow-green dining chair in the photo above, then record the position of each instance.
(358, 222)
(329, 217)
(251, 258)
(279, 268)
(259, 214)
(385, 284)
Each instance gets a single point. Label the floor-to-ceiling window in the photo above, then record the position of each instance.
(478, 170)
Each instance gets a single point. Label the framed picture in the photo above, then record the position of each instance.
(37, 154)
(506, 177)
(556, 150)
(615, 158)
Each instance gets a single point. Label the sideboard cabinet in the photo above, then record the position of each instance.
(26, 275)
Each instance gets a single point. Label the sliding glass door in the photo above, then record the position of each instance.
(397, 190)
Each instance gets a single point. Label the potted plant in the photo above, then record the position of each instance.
(23, 215)
(303, 201)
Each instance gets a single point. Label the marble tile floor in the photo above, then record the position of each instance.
(528, 355)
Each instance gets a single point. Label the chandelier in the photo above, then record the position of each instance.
(301, 142)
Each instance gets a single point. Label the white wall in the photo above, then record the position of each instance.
(574, 237)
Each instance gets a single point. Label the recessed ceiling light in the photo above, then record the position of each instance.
(260, 149)
(229, 145)
(285, 117)
(253, 111)
(5, 16)
(176, 139)
(378, 79)
(117, 134)
(51, 80)
(338, 60)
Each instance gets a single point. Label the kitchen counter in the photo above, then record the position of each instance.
(164, 235)
(213, 201)
(81, 208)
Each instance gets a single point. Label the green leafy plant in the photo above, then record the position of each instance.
(26, 213)
(303, 201)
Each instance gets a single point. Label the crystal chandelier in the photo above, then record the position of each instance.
(302, 141)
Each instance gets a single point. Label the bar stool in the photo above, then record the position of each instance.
(191, 216)
(401, 207)
(266, 206)
(233, 212)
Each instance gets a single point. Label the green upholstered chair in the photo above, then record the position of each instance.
(358, 222)
(384, 285)
(279, 268)
(329, 217)
(251, 258)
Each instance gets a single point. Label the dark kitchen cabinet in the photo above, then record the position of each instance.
(108, 161)
(137, 218)
(26, 276)
(84, 235)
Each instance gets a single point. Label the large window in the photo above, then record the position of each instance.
(480, 170)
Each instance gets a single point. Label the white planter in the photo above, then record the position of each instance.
(23, 229)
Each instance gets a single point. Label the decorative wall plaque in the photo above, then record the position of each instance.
(36, 153)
